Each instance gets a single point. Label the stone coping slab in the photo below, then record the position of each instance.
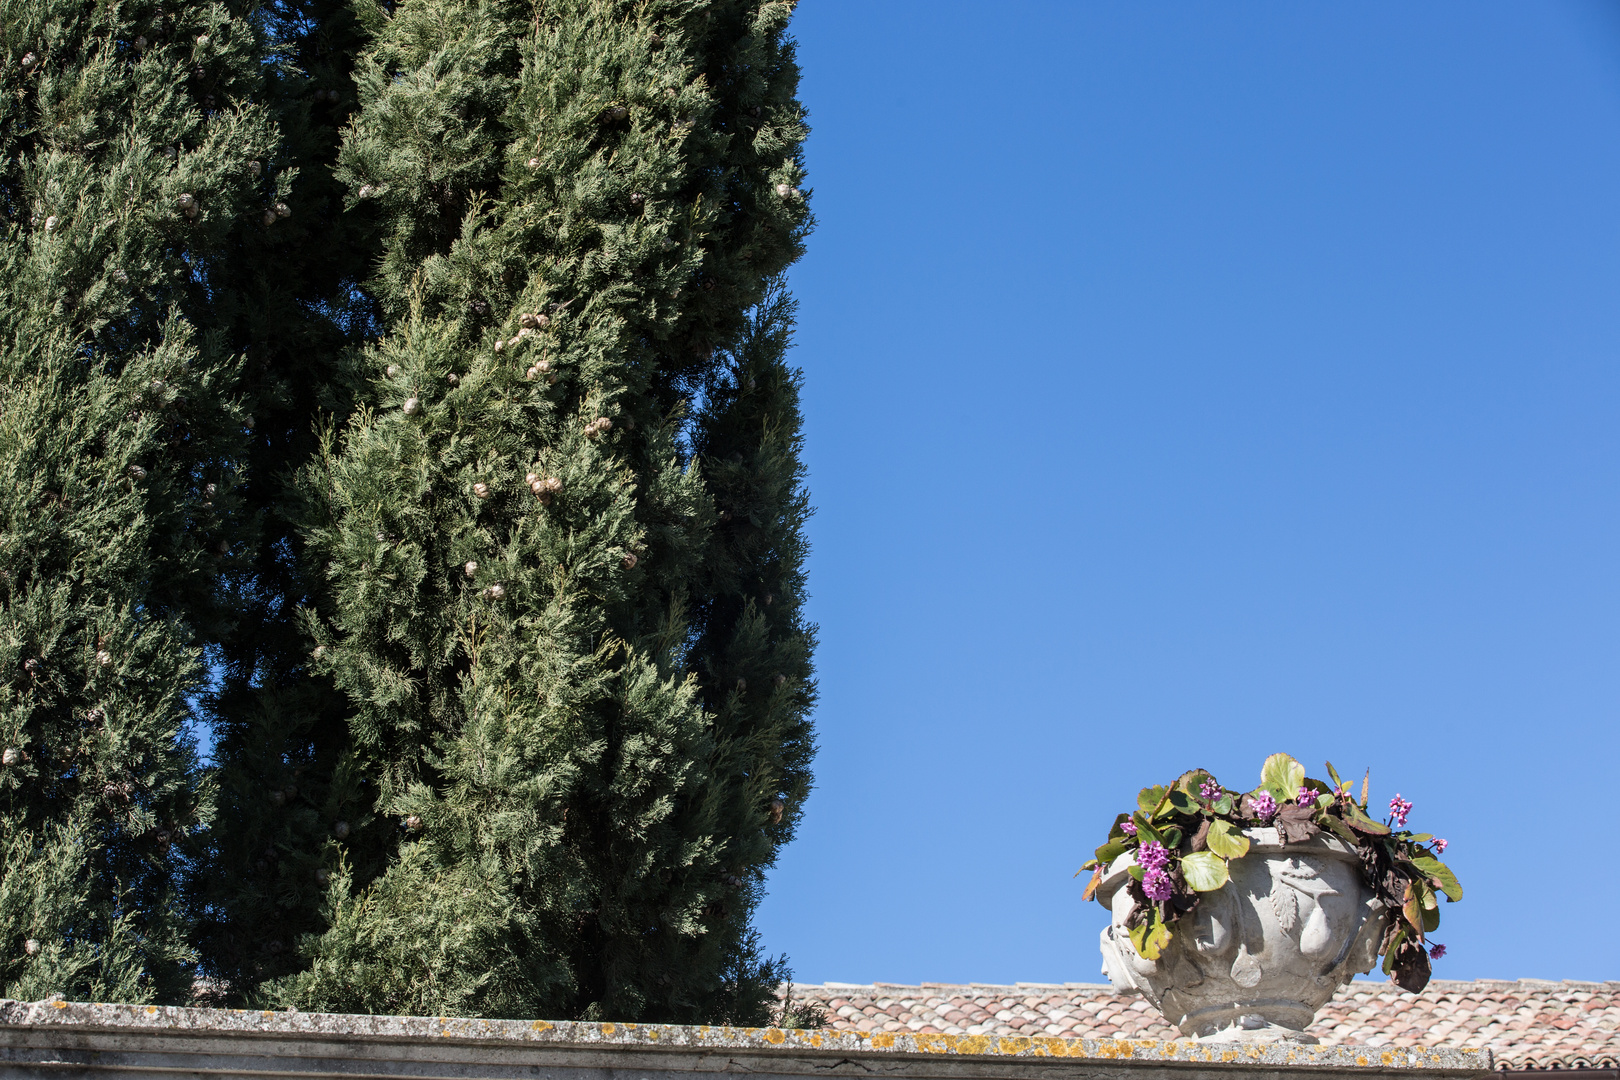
(61, 1038)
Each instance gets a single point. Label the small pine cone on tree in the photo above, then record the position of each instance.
(411, 405)
(283, 210)
(188, 204)
(777, 807)
(103, 657)
(31, 947)
(481, 490)
(496, 591)
(341, 830)
(413, 823)
(269, 217)
(11, 756)
(470, 569)
(629, 561)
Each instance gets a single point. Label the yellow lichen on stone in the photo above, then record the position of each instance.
(883, 1040)
(608, 1029)
(542, 1025)
(774, 1036)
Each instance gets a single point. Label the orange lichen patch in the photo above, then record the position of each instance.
(774, 1036)
(608, 1029)
(652, 1033)
(1361, 1059)
(60, 1004)
(150, 1009)
(541, 1025)
(813, 1037)
(1387, 1058)
(882, 1040)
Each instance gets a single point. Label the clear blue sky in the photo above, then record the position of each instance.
(1186, 382)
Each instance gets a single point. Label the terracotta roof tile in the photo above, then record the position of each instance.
(1528, 1024)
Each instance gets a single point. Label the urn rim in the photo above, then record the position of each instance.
(1263, 841)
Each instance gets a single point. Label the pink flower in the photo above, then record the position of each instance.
(1305, 797)
(1156, 884)
(1128, 828)
(1437, 952)
(1210, 790)
(1440, 846)
(1264, 806)
(1152, 856)
(1399, 808)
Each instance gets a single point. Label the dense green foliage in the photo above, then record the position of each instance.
(562, 530)
(401, 392)
(289, 302)
(133, 162)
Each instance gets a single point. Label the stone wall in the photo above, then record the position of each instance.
(64, 1039)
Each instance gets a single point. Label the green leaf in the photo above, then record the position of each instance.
(1145, 830)
(1182, 803)
(1223, 805)
(1205, 871)
(1135, 871)
(1412, 907)
(1110, 851)
(1394, 948)
(1282, 776)
(1172, 838)
(1431, 867)
(1226, 841)
(1191, 780)
(1364, 824)
(1338, 828)
(1149, 798)
(1150, 938)
(1333, 774)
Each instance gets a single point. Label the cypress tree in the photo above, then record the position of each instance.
(133, 157)
(561, 533)
(290, 300)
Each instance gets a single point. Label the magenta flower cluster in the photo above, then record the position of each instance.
(1210, 790)
(1264, 806)
(1152, 856)
(1399, 808)
(1436, 952)
(1305, 797)
(1128, 828)
(1156, 885)
(1440, 846)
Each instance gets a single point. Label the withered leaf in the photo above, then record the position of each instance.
(1295, 824)
(1200, 838)
(1411, 968)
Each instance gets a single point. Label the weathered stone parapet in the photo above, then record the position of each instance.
(65, 1039)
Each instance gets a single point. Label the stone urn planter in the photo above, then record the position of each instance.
(1260, 955)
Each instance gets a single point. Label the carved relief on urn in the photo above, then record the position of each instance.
(1260, 955)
